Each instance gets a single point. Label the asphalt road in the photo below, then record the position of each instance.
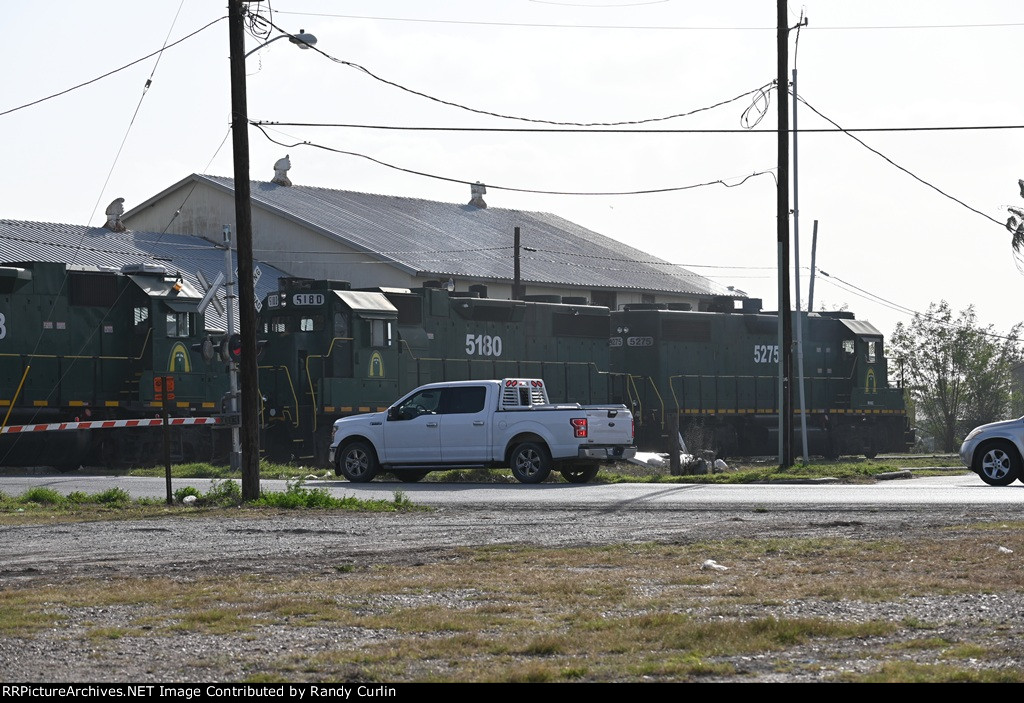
(954, 489)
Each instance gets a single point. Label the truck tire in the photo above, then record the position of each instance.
(358, 462)
(580, 474)
(530, 462)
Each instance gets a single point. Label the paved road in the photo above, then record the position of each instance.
(957, 489)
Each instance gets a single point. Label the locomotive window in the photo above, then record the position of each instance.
(341, 325)
(311, 323)
(848, 346)
(94, 289)
(872, 351)
(278, 323)
(141, 315)
(180, 324)
(570, 325)
(381, 333)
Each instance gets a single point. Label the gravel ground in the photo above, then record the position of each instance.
(297, 544)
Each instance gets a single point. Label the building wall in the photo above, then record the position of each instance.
(303, 252)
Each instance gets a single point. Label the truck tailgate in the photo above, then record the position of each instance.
(609, 424)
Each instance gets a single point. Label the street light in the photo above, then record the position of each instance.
(249, 372)
(301, 40)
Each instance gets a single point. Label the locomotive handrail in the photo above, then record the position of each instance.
(288, 376)
(309, 379)
(15, 398)
(100, 357)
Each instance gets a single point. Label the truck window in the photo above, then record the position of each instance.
(426, 402)
(462, 400)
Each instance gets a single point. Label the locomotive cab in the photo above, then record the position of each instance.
(331, 351)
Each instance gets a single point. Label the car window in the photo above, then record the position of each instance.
(463, 400)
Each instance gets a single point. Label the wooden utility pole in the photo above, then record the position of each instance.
(782, 215)
(249, 373)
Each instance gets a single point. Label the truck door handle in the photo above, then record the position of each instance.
(431, 424)
(478, 423)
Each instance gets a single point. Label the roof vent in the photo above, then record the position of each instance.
(477, 191)
(281, 167)
(114, 212)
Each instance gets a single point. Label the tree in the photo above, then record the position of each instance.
(959, 374)
(1015, 223)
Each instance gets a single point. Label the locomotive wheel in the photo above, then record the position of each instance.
(358, 462)
(530, 463)
(410, 476)
(998, 464)
(582, 474)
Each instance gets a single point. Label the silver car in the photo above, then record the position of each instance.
(994, 452)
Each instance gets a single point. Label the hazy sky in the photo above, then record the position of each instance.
(862, 64)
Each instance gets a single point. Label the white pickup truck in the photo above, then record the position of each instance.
(469, 424)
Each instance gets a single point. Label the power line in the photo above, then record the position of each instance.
(509, 188)
(116, 70)
(566, 130)
(350, 64)
(677, 28)
(901, 168)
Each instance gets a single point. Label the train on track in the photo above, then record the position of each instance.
(85, 351)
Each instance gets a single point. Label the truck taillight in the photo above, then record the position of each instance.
(579, 426)
(632, 429)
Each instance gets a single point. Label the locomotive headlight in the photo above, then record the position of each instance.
(625, 330)
(619, 330)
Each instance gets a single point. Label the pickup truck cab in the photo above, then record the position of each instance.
(482, 424)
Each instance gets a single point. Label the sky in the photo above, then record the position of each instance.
(917, 222)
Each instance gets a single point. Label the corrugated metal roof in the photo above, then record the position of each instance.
(97, 246)
(446, 239)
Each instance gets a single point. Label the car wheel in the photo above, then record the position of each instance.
(358, 462)
(583, 474)
(997, 463)
(410, 476)
(530, 463)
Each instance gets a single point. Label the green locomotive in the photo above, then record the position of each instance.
(85, 344)
(713, 376)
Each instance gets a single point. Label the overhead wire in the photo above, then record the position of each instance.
(116, 70)
(646, 191)
(490, 113)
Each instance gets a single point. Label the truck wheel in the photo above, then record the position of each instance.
(582, 474)
(358, 462)
(530, 463)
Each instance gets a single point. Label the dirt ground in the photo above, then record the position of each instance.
(295, 543)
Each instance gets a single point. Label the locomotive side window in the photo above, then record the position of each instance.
(278, 323)
(872, 351)
(381, 333)
(341, 324)
(311, 323)
(848, 346)
(141, 315)
(180, 324)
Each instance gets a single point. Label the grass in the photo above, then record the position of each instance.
(847, 469)
(47, 505)
(505, 614)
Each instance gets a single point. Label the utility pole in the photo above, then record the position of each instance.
(249, 376)
(782, 244)
(517, 281)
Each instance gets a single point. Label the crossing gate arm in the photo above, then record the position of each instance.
(109, 424)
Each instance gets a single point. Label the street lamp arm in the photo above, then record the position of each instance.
(301, 40)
